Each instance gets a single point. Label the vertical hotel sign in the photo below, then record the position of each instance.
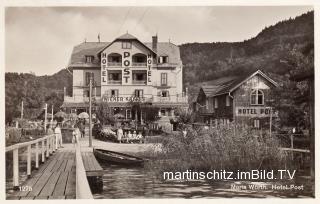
(149, 64)
(103, 68)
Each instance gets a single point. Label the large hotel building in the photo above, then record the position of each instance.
(127, 70)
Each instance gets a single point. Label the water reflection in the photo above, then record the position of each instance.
(136, 182)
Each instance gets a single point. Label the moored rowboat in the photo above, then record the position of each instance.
(116, 157)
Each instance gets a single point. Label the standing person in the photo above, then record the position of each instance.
(120, 134)
(81, 128)
(57, 132)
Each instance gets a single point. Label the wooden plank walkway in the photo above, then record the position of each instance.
(91, 165)
(55, 179)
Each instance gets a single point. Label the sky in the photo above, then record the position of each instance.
(41, 39)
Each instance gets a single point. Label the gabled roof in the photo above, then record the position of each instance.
(229, 84)
(84, 49)
(126, 36)
(93, 48)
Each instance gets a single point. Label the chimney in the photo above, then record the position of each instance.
(155, 43)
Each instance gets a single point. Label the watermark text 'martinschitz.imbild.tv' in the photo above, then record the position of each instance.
(230, 175)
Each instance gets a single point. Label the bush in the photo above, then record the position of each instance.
(219, 149)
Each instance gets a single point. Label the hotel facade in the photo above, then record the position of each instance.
(245, 100)
(127, 71)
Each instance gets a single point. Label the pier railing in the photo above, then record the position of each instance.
(49, 144)
(83, 190)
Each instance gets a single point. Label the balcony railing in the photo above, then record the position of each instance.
(114, 64)
(114, 82)
(147, 98)
(80, 99)
(205, 110)
(139, 64)
(139, 82)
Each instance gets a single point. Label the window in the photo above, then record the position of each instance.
(128, 113)
(256, 123)
(114, 92)
(207, 103)
(164, 79)
(139, 77)
(215, 102)
(257, 97)
(126, 45)
(163, 59)
(227, 100)
(164, 94)
(138, 93)
(88, 78)
(89, 59)
(114, 77)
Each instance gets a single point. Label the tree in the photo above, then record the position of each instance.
(104, 114)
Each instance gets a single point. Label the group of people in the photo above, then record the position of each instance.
(129, 137)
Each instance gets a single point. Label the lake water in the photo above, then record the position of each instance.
(136, 182)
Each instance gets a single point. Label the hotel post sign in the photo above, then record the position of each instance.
(126, 63)
(149, 64)
(254, 111)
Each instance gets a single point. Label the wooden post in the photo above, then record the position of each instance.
(45, 118)
(53, 146)
(42, 152)
(16, 169)
(29, 160)
(270, 128)
(52, 116)
(37, 155)
(56, 138)
(291, 138)
(90, 114)
(21, 109)
(47, 147)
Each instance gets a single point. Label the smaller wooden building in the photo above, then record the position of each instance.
(246, 100)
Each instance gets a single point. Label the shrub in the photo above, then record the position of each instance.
(218, 149)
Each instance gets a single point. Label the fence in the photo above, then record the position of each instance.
(49, 144)
(83, 190)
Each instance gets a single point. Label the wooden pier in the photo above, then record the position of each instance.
(56, 179)
(65, 173)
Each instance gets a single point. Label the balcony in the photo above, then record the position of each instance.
(114, 64)
(139, 64)
(171, 99)
(139, 82)
(205, 110)
(146, 98)
(114, 82)
(80, 99)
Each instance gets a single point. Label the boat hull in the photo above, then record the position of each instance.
(116, 157)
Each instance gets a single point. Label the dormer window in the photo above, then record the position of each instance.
(126, 45)
(163, 59)
(89, 58)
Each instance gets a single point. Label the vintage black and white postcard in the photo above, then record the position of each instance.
(114, 101)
